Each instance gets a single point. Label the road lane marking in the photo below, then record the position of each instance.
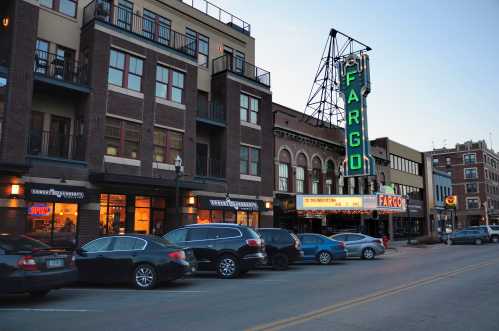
(329, 310)
(49, 310)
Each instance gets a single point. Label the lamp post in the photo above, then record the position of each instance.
(178, 174)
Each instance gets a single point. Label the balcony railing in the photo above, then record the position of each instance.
(50, 144)
(213, 111)
(239, 66)
(219, 14)
(125, 19)
(208, 167)
(57, 67)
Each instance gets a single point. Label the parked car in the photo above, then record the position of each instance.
(491, 230)
(142, 260)
(361, 245)
(476, 237)
(321, 249)
(282, 247)
(30, 266)
(228, 249)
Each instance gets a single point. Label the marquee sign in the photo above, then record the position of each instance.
(355, 85)
(389, 203)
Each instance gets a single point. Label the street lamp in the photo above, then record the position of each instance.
(178, 174)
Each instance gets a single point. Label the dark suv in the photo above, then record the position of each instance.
(281, 246)
(229, 249)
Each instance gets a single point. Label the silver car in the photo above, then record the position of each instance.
(360, 245)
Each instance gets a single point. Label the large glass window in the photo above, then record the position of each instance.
(156, 27)
(177, 86)
(142, 215)
(167, 145)
(316, 179)
(66, 7)
(53, 223)
(122, 138)
(470, 173)
(472, 203)
(120, 74)
(169, 84)
(249, 107)
(283, 177)
(248, 218)
(201, 44)
(249, 161)
(125, 14)
(469, 158)
(471, 187)
(162, 82)
(112, 214)
(300, 180)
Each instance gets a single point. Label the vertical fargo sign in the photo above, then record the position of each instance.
(355, 86)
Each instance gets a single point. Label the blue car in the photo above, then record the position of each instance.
(321, 249)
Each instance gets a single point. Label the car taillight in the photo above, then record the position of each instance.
(254, 242)
(177, 255)
(27, 263)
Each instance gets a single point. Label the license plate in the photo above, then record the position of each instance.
(55, 263)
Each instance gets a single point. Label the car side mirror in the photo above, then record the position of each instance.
(81, 252)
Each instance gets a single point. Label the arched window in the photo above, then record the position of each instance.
(301, 169)
(284, 166)
(316, 175)
(330, 178)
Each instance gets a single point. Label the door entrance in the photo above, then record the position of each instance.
(201, 159)
(59, 136)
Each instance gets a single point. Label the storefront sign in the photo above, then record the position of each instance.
(45, 192)
(229, 204)
(355, 86)
(39, 210)
(352, 203)
(416, 208)
(451, 202)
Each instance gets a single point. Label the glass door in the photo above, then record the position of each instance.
(59, 136)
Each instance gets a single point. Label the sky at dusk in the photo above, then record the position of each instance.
(434, 64)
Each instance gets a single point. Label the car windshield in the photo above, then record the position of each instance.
(21, 243)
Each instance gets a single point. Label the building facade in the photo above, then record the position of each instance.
(474, 169)
(99, 102)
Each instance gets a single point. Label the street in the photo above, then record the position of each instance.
(435, 287)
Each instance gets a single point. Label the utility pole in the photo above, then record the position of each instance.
(486, 207)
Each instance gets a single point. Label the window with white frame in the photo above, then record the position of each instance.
(470, 173)
(472, 203)
(283, 177)
(300, 180)
(469, 158)
(472, 187)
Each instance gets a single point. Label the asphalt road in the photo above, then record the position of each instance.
(435, 288)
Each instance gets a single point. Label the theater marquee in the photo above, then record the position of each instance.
(388, 203)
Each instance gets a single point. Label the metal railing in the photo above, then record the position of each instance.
(50, 144)
(57, 67)
(239, 66)
(125, 19)
(219, 14)
(208, 167)
(213, 111)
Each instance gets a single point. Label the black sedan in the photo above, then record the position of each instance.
(30, 266)
(476, 237)
(143, 260)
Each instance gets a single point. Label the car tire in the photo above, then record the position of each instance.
(368, 253)
(449, 242)
(38, 294)
(228, 267)
(144, 277)
(324, 258)
(280, 262)
(478, 241)
(495, 239)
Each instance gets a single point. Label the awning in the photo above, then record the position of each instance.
(116, 179)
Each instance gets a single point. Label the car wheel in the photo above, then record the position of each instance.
(478, 241)
(449, 242)
(280, 262)
(228, 267)
(495, 239)
(368, 254)
(324, 258)
(38, 294)
(144, 277)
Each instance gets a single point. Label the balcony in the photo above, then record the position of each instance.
(220, 15)
(242, 68)
(211, 113)
(52, 68)
(54, 145)
(126, 20)
(208, 167)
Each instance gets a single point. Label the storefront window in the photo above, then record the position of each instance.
(217, 216)
(53, 223)
(112, 214)
(142, 215)
(203, 217)
(248, 218)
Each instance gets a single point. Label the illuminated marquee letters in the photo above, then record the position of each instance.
(355, 86)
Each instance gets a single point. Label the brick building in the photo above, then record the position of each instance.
(97, 100)
(474, 168)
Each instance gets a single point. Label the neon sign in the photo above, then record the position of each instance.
(355, 86)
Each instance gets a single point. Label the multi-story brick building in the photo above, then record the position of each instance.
(475, 179)
(97, 100)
